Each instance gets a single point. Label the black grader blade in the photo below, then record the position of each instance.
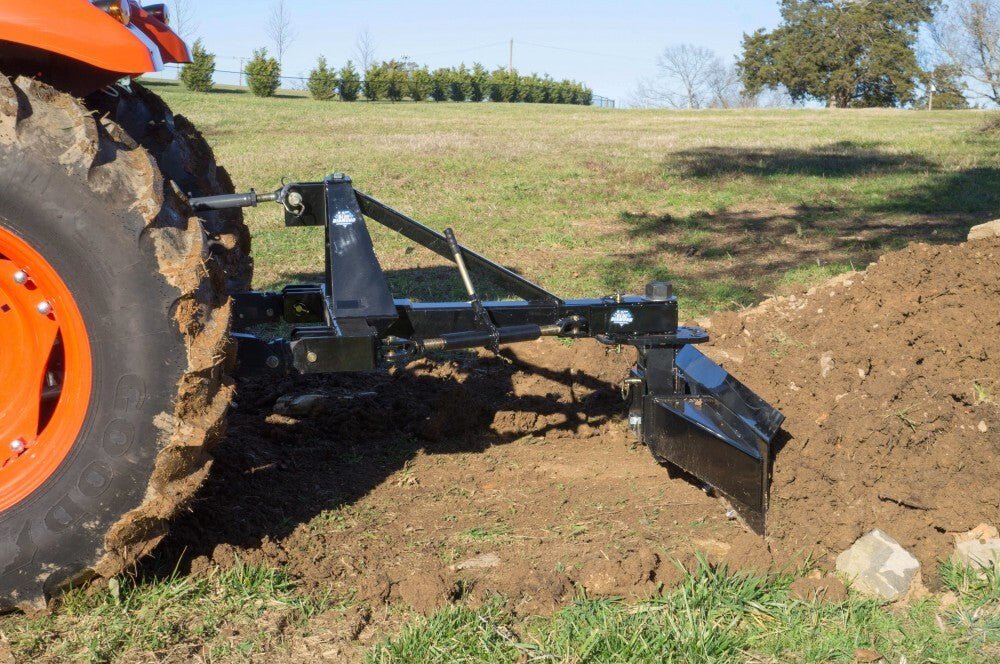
(689, 411)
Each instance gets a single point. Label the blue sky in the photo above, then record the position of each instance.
(608, 45)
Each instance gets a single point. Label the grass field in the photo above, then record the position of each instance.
(729, 205)
(586, 201)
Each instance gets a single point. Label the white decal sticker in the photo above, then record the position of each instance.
(343, 218)
(621, 317)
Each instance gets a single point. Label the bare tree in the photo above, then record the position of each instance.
(182, 19)
(682, 81)
(279, 29)
(968, 34)
(722, 82)
(364, 48)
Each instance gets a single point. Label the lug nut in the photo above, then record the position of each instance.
(20, 277)
(17, 445)
(44, 308)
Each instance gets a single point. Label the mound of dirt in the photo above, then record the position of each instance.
(890, 382)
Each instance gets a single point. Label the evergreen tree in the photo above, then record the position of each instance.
(495, 85)
(350, 83)
(457, 83)
(395, 79)
(478, 81)
(263, 74)
(843, 53)
(322, 81)
(421, 83)
(374, 83)
(439, 84)
(197, 74)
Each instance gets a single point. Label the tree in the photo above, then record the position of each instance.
(723, 86)
(456, 83)
(197, 74)
(684, 72)
(477, 82)
(263, 74)
(420, 83)
(373, 84)
(439, 84)
(364, 48)
(968, 34)
(322, 82)
(279, 29)
(843, 53)
(182, 19)
(350, 83)
(946, 80)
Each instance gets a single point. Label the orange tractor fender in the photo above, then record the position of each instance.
(83, 32)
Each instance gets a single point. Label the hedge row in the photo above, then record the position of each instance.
(396, 80)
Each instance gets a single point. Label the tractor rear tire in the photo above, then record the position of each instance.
(186, 159)
(90, 201)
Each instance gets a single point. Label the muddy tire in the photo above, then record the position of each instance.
(91, 201)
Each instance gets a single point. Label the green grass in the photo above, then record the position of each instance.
(730, 205)
(718, 617)
(233, 613)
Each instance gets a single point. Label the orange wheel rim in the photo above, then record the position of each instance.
(45, 370)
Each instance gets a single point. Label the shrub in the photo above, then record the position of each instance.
(263, 74)
(197, 74)
(322, 81)
(350, 83)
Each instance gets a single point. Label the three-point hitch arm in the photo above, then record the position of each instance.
(691, 413)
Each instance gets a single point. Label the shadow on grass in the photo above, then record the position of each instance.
(747, 250)
(436, 283)
(841, 159)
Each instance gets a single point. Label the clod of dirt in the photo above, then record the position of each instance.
(374, 588)
(425, 592)
(632, 575)
(828, 590)
(528, 591)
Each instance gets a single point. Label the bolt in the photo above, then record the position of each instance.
(20, 277)
(272, 361)
(44, 308)
(17, 445)
(311, 356)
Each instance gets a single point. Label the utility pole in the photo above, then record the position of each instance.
(242, 59)
(510, 58)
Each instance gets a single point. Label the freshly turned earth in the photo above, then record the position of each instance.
(391, 488)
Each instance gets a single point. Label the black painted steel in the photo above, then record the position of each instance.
(689, 411)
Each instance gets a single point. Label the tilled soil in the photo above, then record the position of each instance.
(481, 476)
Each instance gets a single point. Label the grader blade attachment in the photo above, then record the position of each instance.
(709, 425)
(691, 413)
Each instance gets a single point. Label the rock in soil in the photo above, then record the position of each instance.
(987, 230)
(877, 566)
(979, 547)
